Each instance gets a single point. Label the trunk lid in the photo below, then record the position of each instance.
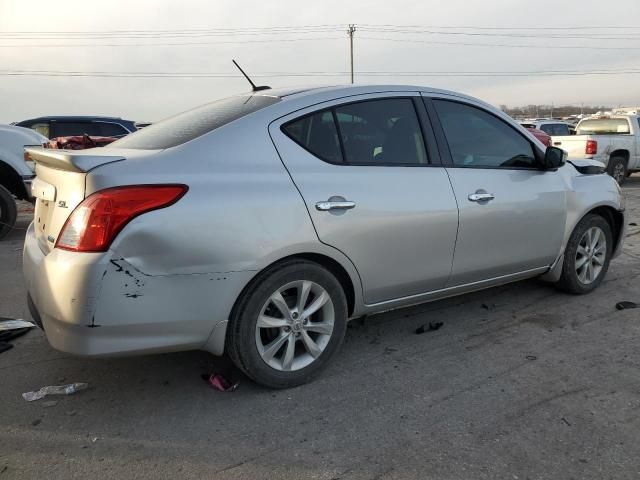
(59, 187)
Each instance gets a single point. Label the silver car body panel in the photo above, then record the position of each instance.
(171, 277)
(401, 233)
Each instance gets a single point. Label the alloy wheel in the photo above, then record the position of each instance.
(295, 325)
(591, 255)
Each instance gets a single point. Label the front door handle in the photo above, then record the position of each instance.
(481, 197)
(335, 205)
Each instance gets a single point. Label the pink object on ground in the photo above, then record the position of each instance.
(221, 384)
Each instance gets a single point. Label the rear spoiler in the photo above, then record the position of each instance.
(70, 160)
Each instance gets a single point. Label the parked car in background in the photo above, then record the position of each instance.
(71, 126)
(346, 201)
(550, 127)
(16, 171)
(540, 135)
(612, 140)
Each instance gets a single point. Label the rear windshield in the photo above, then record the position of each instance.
(192, 124)
(603, 126)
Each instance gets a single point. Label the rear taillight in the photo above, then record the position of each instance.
(94, 223)
(592, 147)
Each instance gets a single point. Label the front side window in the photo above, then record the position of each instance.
(478, 139)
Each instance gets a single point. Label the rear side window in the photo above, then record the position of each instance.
(603, 126)
(41, 128)
(72, 129)
(381, 132)
(478, 139)
(557, 129)
(194, 123)
(316, 133)
(111, 129)
(372, 132)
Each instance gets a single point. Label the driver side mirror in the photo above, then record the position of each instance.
(554, 158)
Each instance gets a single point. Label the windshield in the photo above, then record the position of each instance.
(603, 126)
(194, 123)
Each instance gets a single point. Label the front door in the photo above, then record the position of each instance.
(375, 190)
(512, 213)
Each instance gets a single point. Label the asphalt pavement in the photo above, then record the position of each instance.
(521, 382)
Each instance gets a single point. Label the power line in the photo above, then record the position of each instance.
(501, 45)
(220, 29)
(507, 35)
(285, 40)
(175, 44)
(484, 27)
(51, 73)
(166, 34)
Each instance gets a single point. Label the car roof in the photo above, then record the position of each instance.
(353, 89)
(318, 94)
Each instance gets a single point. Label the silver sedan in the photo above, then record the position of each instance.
(258, 225)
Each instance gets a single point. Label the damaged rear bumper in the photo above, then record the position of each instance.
(92, 304)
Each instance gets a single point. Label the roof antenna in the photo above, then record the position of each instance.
(253, 85)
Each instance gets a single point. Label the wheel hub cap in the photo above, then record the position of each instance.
(295, 325)
(591, 255)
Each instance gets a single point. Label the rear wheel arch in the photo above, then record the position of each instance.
(332, 265)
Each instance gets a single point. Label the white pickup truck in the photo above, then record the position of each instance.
(16, 171)
(613, 140)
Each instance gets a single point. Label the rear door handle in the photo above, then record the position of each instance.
(481, 197)
(335, 205)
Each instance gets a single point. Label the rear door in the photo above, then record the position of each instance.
(512, 213)
(370, 175)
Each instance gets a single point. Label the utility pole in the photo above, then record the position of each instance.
(351, 31)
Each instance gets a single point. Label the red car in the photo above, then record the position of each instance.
(540, 135)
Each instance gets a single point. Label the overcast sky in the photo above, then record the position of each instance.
(327, 51)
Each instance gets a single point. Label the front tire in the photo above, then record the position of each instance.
(8, 212)
(587, 255)
(288, 324)
(617, 168)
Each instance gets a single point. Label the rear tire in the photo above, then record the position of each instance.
(281, 337)
(587, 256)
(617, 168)
(8, 212)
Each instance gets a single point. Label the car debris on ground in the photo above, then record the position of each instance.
(12, 328)
(431, 327)
(14, 323)
(626, 305)
(220, 383)
(55, 390)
